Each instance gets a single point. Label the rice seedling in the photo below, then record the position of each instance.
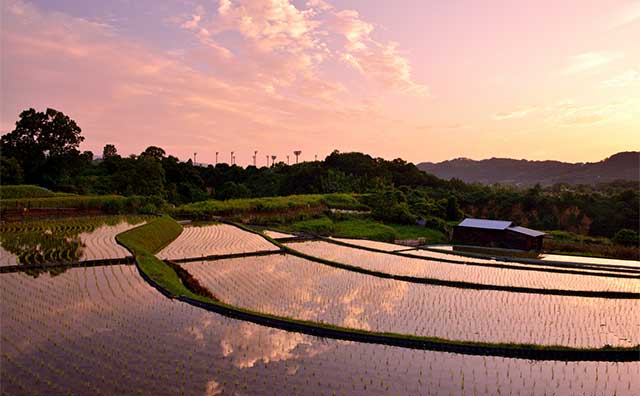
(293, 287)
(522, 277)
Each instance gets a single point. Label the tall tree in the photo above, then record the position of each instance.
(38, 137)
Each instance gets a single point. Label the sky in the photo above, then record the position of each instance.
(414, 79)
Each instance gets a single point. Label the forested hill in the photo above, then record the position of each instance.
(620, 166)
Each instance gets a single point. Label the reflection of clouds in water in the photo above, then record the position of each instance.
(293, 287)
(266, 345)
(247, 344)
(213, 388)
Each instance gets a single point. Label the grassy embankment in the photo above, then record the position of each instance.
(151, 237)
(144, 241)
(271, 208)
(28, 191)
(568, 243)
(366, 228)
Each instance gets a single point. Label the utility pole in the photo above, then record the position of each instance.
(267, 160)
(194, 158)
(231, 163)
(216, 158)
(297, 154)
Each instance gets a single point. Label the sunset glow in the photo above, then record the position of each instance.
(420, 80)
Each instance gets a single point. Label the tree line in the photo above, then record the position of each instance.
(44, 149)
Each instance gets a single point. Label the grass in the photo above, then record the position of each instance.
(111, 204)
(268, 205)
(27, 191)
(568, 243)
(148, 239)
(367, 229)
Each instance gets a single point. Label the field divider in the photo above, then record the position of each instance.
(215, 257)
(532, 261)
(128, 260)
(145, 240)
(619, 273)
(442, 282)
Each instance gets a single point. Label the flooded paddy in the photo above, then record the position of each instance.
(526, 276)
(103, 330)
(386, 246)
(72, 240)
(214, 239)
(289, 286)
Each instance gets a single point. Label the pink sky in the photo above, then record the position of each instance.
(416, 79)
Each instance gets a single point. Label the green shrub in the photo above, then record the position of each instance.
(27, 191)
(626, 237)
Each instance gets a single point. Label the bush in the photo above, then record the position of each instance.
(626, 237)
(27, 191)
(322, 226)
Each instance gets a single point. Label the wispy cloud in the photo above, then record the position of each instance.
(569, 114)
(630, 77)
(514, 114)
(625, 15)
(589, 60)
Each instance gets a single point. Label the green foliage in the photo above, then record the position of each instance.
(109, 204)
(428, 234)
(267, 205)
(27, 191)
(390, 206)
(626, 237)
(321, 226)
(10, 171)
(45, 146)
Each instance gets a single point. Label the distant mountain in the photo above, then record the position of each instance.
(620, 166)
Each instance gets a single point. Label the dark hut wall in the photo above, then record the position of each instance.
(505, 239)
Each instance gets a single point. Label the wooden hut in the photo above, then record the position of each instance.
(497, 234)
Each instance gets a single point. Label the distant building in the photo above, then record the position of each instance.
(497, 234)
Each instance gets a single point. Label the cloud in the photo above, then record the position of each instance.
(514, 114)
(626, 15)
(568, 113)
(284, 45)
(123, 92)
(589, 60)
(630, 77)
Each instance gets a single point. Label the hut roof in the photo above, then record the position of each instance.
(527, 231)
(486, 224)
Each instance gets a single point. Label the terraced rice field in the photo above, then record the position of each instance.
(389, 247)
(214, 239)
(285, 285)
(64, 240)
(447, 251)
(603, 270)
(526, 277)
(103, 330)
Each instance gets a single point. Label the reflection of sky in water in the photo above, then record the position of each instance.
(525, 277)
(566, 258)
(289, 286)
(103, 330)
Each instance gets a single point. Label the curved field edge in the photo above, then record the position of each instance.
(621, 272)
(151, 237)
(441, 282)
